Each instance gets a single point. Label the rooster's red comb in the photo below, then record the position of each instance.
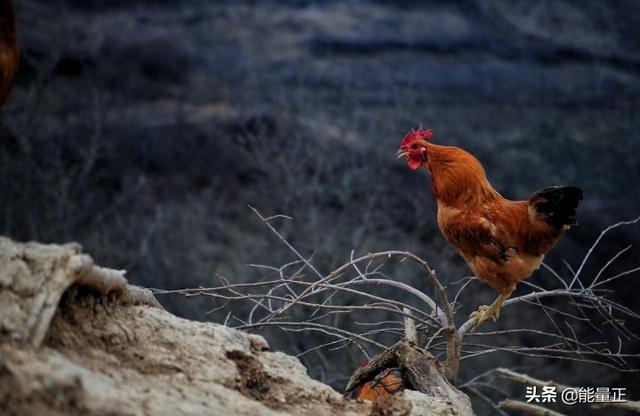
(415, 135)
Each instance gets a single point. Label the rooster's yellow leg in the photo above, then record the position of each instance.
(484, 312)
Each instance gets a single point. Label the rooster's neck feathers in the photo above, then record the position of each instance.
(458, 177)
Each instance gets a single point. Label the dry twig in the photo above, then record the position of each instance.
(528, 408)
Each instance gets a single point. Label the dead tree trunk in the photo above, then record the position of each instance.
(420, 372)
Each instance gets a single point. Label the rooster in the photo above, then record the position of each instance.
(503, 241)
(9, 55)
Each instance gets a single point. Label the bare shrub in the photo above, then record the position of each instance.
(359, 309)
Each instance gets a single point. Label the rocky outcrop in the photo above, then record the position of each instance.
(77, 339)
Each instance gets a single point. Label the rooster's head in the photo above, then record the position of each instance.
(414, 147)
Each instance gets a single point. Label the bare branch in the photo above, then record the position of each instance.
(409, 326)
(294, 301)
(528, 408)
(595, 244)
(525, 379)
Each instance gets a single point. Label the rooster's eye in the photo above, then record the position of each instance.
(414, 146)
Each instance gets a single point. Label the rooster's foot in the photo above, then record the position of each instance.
(485, 313)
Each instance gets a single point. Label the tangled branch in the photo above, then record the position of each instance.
(378, 306)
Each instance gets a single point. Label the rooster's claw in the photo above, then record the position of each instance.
(483, 314)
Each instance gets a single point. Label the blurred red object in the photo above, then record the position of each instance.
(9, 54)
(384, 384)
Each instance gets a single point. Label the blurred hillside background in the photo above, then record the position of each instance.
(142, 129)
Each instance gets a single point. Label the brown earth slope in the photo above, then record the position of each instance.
(75, 338)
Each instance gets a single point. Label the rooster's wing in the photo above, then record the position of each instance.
(474, 235)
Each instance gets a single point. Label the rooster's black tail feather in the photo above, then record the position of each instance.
(557, 204)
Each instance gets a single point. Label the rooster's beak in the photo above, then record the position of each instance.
(402, 153)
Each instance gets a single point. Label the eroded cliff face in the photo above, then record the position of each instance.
(75, 338)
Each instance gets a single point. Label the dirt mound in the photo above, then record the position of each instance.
(77, 339)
